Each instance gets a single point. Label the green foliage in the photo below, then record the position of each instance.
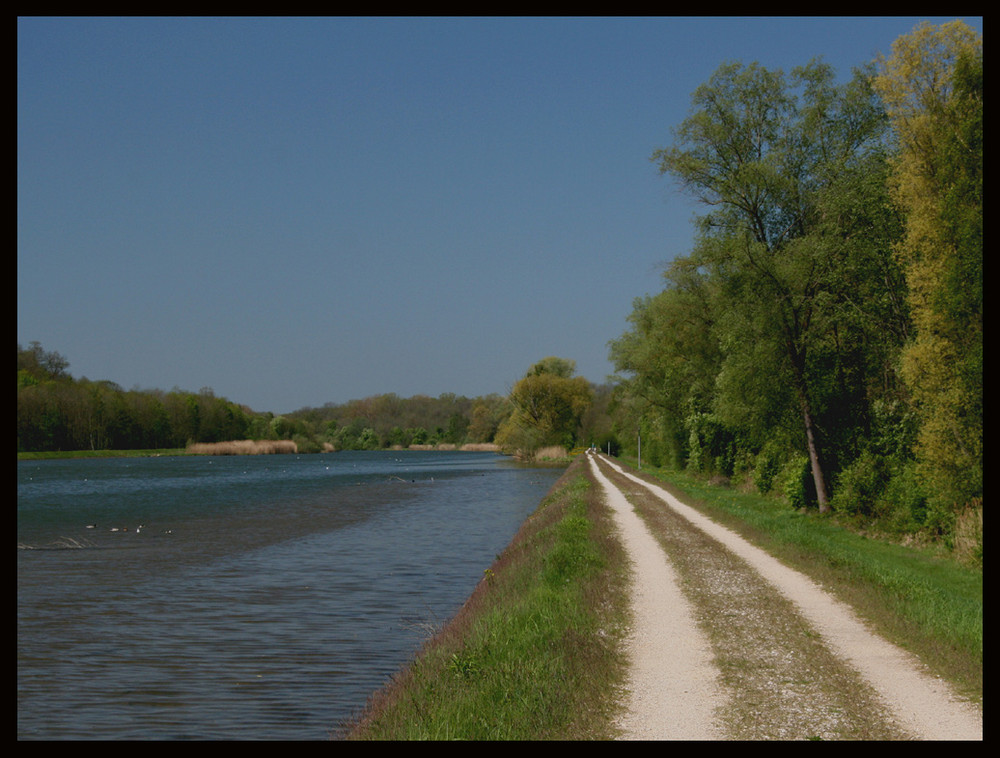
(548, 404)
(903, 506)
(595, 424)
(553, 366)
(356, 435)
(57, 412)
(795, 481)
(860, 485)
(400, 422)
(831, 307)
(281, 427)
(36, 364)
(766, 467)
(932, 87)
(710, 444)
(772, 158)
(485, 418)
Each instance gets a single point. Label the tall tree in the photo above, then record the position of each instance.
(668, 362)
(485, 417)
(759, 150)
(548, 403)
(932, 86)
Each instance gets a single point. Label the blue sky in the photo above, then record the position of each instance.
(295, 211)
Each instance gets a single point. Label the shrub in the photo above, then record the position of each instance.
(306, 444)
(903, 504)
(765, 468)
(796, 483)
(860, 485)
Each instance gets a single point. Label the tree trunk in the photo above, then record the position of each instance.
(814, 459)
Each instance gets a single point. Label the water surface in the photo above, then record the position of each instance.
(243, 597)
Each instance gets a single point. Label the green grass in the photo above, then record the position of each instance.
(920, 598)
(58, 454)
(535, 652)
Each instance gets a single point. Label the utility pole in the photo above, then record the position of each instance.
(638, 432)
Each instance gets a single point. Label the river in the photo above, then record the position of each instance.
(243, 597)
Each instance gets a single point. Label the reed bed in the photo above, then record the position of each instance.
(243, 447)
(551, 453)
(469, 447)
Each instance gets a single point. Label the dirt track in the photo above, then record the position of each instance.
(730, 644)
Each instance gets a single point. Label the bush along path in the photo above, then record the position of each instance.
(730, 644)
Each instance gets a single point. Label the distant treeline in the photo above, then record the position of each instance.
(387, 420)
(56, 412)
(542, 410)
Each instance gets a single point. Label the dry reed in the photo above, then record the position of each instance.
(243, 447)
(552, 452)
(469, 447)
(968, 533)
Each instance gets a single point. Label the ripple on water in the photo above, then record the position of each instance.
(281, 599)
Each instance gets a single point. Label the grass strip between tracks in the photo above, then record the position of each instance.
(924, 601)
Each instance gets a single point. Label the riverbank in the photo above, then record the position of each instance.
(72, 454)
(535, 651)
(558, 671)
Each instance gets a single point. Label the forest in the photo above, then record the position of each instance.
(823, 338)
(57, 412)
(822, 341)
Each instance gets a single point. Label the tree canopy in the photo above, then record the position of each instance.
(932, 85)
(824, 334)
(547, 406)
(768, 155)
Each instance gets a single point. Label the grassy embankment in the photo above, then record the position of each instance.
(919, 597)
(64, 454)
(536, 652)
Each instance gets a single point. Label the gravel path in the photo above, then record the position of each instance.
(672, 670)
(694, 676)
